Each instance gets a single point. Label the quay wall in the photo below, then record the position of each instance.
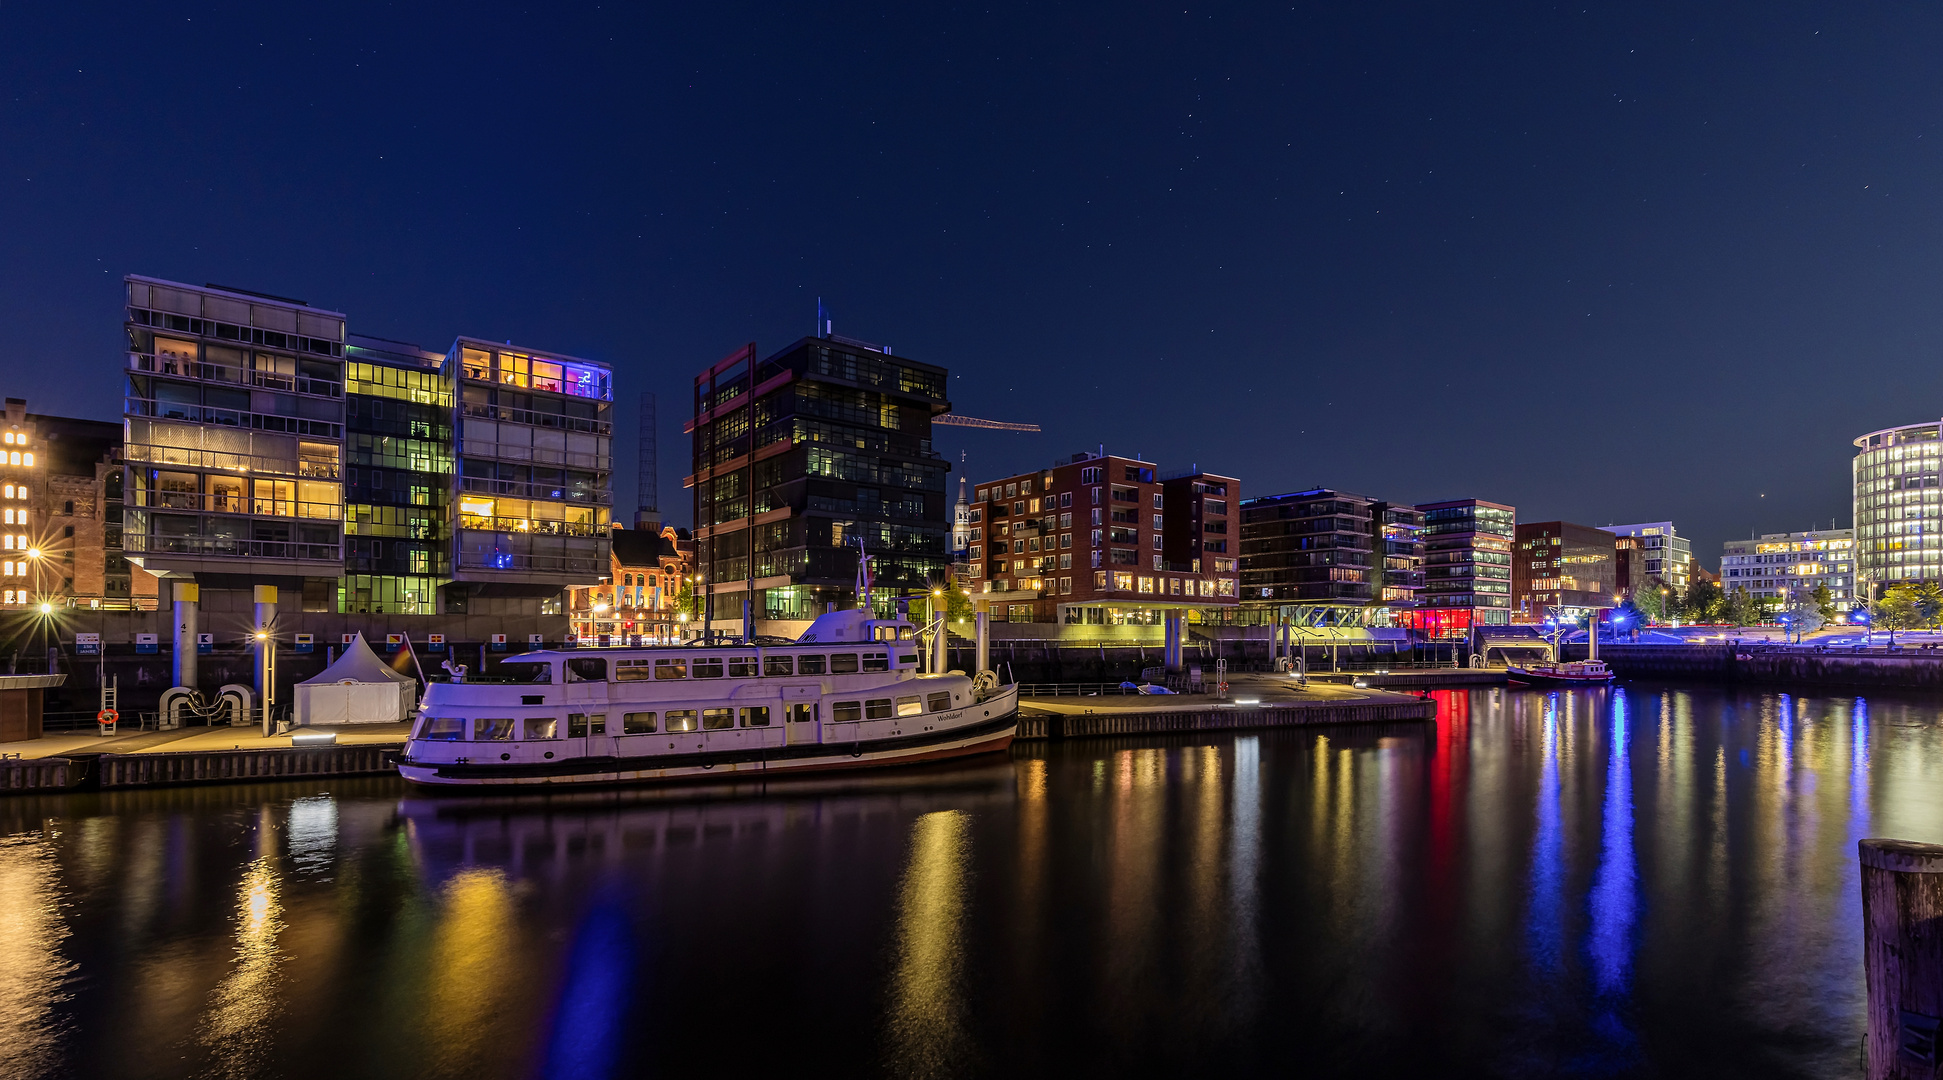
(1108, 723)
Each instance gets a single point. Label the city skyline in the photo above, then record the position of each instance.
(1674, 286)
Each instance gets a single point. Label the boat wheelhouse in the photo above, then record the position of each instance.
(849, 693)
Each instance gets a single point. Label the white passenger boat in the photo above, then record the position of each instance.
(846, 695)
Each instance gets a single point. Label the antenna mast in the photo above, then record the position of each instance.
(647, 483)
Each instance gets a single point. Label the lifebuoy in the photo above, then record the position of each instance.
(106, 716)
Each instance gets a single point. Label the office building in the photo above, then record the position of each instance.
(1315, 548)
(798, 460)
(1780, 568)
(1665, 554)
(266, 445)
(1467, 567)
(1400, 545)
(1898, 519)
(1558, 565)
(1101, 539)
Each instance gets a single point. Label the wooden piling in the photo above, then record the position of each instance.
(1902, 955)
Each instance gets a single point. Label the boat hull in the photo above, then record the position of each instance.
(989, 737)
(1528, 678)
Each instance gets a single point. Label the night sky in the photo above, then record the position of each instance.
(1604, 262)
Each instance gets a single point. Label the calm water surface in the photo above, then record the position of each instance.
(1648, 881)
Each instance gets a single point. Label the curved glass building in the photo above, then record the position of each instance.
(1898, 519)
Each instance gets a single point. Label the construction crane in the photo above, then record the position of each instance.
(954, 420)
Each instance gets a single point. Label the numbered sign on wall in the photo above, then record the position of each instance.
(306, 643)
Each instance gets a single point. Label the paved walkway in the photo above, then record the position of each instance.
(191, 739)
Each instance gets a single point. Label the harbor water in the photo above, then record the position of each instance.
(1643, 881)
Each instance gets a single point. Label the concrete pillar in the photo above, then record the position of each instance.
(187, 596)
(983, 615)
(266, 650)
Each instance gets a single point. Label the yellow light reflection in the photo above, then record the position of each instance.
(31, 966)
(471, 971)
(238, 1026)
(927, 1014)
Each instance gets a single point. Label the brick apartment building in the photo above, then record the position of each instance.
(1104, 540)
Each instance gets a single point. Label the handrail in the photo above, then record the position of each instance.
(166, 364)
(238, 504)
(196, 458)
(142, 544)
(531, 525)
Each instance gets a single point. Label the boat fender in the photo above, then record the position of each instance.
(856, 750)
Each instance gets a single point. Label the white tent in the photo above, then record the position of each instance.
(358, 688)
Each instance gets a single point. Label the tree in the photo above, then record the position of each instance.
(1897, 610)
(1824, 603)
(1804, 615)
(1649, 601)
(1739, 608)
(1702, 603)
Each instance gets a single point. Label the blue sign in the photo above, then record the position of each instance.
(499, 643)
(205, 644)
(572, 642)
(87, 644)
(534, 643)
(147, 643)
(435, 643)
(393, 642)
(306, 643)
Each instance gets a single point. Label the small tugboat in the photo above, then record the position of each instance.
(845, 695)
(1575, 673)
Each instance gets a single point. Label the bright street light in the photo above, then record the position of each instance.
(47, 609)
(33, 553)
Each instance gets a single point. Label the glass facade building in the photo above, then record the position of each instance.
(1557, 564)
(1784, 567)
(1898, 519)
(1665, 554)
(266, 445)
(802, 457)
(1467, 566)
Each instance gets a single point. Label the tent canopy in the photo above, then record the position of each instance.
(358, 664)
(358, 688)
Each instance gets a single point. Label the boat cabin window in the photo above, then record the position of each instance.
(637, 723)
(679, 719)
(773, 666)
(442, 728)
(743, 667)
(877, 708)
(717, 719)
(497, 729)
(802, 712)
(631, 670)
(884, 633)
(910, 706)
(541, 728)
(843, 712)
(755, 716)
(533, 671)
(876, 661)
(671, 668)
(907, 658)
(810, 665)
(706, 667)
(587, 669)
(843, 663)
(938, 702)
(579, 728)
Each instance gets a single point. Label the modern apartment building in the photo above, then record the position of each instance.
(266, 445)
(1314, 547)
(805, 458)
(1782, 567)
(1101, 539)
(1557, 564)
(1667, 554)
(1467, 566)
(1400, 544)
(1898, 518)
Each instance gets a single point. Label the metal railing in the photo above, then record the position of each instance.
(166, 364)
(1074, 690)
(193, 458)
(140, 544)
(236, 418)
(531, 526)
(519, 490)
(236, 504)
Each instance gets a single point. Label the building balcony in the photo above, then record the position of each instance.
(236, 418)
(215, 547)
(182, 367)
(192, 458)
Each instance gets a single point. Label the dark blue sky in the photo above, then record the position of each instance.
(1604, 262)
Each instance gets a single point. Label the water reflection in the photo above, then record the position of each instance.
(926, 1025)
(32, 969)
(1651, 880)
(239, 1024)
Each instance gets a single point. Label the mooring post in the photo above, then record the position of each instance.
(982, 616)
(1902, 957)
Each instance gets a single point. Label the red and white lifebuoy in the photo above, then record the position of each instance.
(107, 718)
